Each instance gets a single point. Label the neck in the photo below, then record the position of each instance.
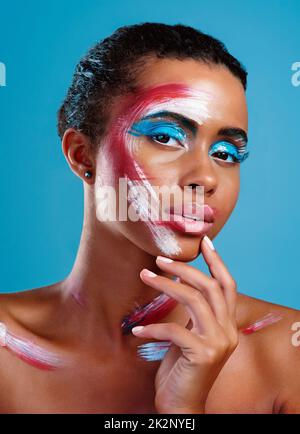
(106, 286)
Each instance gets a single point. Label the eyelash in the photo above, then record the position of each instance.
(153, 131)
(163, 129)
(238, 153)
(176, 135)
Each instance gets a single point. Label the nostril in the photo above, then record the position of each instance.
(194, 185)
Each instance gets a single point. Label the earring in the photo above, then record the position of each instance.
(88, 174)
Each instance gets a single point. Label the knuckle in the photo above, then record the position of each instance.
(233, 346)
(172, 328)
(194, 297)
(224, 345)
(211, 354)
(214, 285)
(233, 336)
(234, 342)
(232, 284)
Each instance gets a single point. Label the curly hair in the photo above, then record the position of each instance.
(111, 67)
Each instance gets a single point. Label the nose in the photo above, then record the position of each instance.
(200, 171)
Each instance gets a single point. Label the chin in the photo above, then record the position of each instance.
(189, 248)
(179, 246)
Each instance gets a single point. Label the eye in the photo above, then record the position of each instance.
(165, 139)
(228, 152)
(163, 132)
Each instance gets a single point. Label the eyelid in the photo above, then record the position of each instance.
(238, 142)
(168, 129)
(150, 128)
(240, 150)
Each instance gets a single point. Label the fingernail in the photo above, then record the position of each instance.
(209, 242)
(164, 259)
(149, 273)
(137, 329)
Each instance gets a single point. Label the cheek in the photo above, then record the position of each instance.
(115, 161)
(160, 165)
(160, 158)
(156, 172)
(229, 185)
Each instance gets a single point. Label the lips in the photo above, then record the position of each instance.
(190, 218)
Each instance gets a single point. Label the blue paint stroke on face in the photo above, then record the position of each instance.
(228, 152)
(164, 132)
(170, 133)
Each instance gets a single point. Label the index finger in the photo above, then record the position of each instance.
(219, 271)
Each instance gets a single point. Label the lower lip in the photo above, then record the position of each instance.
(187, 225)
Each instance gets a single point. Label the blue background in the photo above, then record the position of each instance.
(42, 201)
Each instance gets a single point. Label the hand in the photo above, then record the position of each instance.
(198, 351)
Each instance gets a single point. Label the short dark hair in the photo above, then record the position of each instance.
(110, 67)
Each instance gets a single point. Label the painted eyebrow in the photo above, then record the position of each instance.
(191, 125)
(234, 133)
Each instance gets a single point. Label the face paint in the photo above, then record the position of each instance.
(78, 298)
(161, 129)
(29, 352)
(123, 142)
(270, 318)
(153, 351)
(151, 312)
(232, 153)
(163, 237)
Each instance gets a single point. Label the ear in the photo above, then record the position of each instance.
(77, 149)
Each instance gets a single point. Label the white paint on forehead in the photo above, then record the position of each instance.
(195, 106)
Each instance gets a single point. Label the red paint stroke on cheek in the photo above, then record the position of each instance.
(132, 109)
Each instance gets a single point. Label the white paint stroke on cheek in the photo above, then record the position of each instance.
(105, 180)
(141, 199)
(195, 106)
(105, 165)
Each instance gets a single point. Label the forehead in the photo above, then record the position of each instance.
(212, 85)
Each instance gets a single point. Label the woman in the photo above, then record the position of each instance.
(151, 106)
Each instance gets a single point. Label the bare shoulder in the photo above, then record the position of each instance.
(277, 347)
(251, 309)
(29, 309)
(31, 312)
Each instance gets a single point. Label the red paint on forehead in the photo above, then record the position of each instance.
(132, 108)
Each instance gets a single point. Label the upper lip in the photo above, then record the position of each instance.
(195, 211)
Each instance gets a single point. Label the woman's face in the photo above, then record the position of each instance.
(184, 127)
